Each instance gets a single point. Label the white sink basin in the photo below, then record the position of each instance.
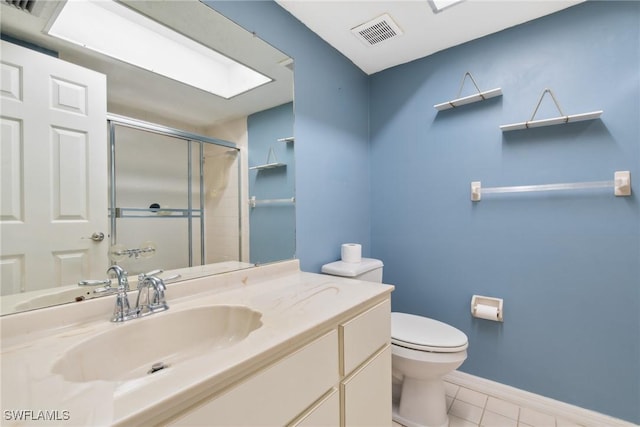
(128, 350)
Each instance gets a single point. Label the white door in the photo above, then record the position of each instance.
(53, 171)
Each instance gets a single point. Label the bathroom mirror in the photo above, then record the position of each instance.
(247, 120)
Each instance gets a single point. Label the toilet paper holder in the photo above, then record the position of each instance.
(488, 308)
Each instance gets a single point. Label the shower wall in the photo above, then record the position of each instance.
(226, 213)
(222, 210)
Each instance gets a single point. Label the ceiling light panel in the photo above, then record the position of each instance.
(119, 32)
(439, 5)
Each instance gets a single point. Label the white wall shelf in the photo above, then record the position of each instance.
(480, 96)
(271, 163)
(268, 166)
(562, 119)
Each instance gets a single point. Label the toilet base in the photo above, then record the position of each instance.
(422, 404)
(408, 423)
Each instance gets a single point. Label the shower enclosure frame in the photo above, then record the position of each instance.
(114, 120)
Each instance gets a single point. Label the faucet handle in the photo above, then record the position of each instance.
(143, 276)
(171, 278)
(106, 282)
(154, 273)
(105, 290)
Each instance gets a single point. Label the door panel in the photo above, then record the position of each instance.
(54, 171)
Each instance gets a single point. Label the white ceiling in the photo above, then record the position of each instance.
(425, 32)
(138, 93)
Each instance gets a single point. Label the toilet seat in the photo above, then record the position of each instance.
(424, 334)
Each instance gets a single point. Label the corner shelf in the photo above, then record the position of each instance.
(562, 119)
(480, 96)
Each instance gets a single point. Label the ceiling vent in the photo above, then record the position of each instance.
(378, 30)
(25, 5)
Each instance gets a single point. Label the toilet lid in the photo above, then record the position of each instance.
(422, 333)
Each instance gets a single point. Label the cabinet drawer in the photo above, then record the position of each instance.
(367, 393)
(364, 335)
(276, 395)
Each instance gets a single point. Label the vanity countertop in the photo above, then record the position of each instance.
(296, 307)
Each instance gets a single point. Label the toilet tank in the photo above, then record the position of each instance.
(368, 269)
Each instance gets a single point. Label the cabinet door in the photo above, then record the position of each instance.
(366, 393)
(276, 395)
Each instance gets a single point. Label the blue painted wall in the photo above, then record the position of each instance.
(331, 114)
(566, 264)
(273, 228)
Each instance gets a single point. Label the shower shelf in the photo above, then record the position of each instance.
(157, 213)
(562, 119)
(287, 139)
(480, 96)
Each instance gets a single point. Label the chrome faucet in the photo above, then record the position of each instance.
(151, 298)
(122, 310)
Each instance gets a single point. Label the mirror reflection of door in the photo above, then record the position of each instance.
(54, 172)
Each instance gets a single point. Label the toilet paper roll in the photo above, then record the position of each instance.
(351, 252)
(486, 312)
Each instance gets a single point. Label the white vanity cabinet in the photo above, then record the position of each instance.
(277, 394)
(341, 378)
(325, 413)
(365, 386)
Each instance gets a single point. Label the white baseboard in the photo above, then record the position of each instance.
(536, 402)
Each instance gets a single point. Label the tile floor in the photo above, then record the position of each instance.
(469, 408)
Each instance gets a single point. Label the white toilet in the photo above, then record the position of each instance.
(423, 351)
